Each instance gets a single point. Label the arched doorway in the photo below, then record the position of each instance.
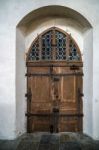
(54, 83)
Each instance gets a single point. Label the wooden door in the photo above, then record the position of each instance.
(54, 87)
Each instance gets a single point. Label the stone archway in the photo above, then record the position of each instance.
(26, 33)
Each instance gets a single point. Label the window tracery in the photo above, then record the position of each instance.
(54, 45)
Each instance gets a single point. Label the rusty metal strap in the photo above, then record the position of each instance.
(50, 74)
(51, 114)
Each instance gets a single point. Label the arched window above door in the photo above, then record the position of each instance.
(54, 44)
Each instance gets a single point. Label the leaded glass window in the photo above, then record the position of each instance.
(47, 46)
(73, 53)
(54, 45)
(34, 54)
(60, 45)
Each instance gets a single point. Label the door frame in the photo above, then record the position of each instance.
(74, 65)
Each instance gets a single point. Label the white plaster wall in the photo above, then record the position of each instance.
(68, 25)
(85, 7)
(11, 12)
(88, 82)
(7, 75)
(20, 83)
(96, 82)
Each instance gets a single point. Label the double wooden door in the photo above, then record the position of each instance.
(54, 96)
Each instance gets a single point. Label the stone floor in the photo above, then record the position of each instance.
(47, 141)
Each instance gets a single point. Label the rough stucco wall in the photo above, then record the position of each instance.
(14, 11)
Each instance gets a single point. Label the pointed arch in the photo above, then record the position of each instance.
(54, 44)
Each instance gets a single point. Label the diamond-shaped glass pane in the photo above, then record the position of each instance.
(73, 52)
(47, 46)
(60, 39)
(34, 54)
